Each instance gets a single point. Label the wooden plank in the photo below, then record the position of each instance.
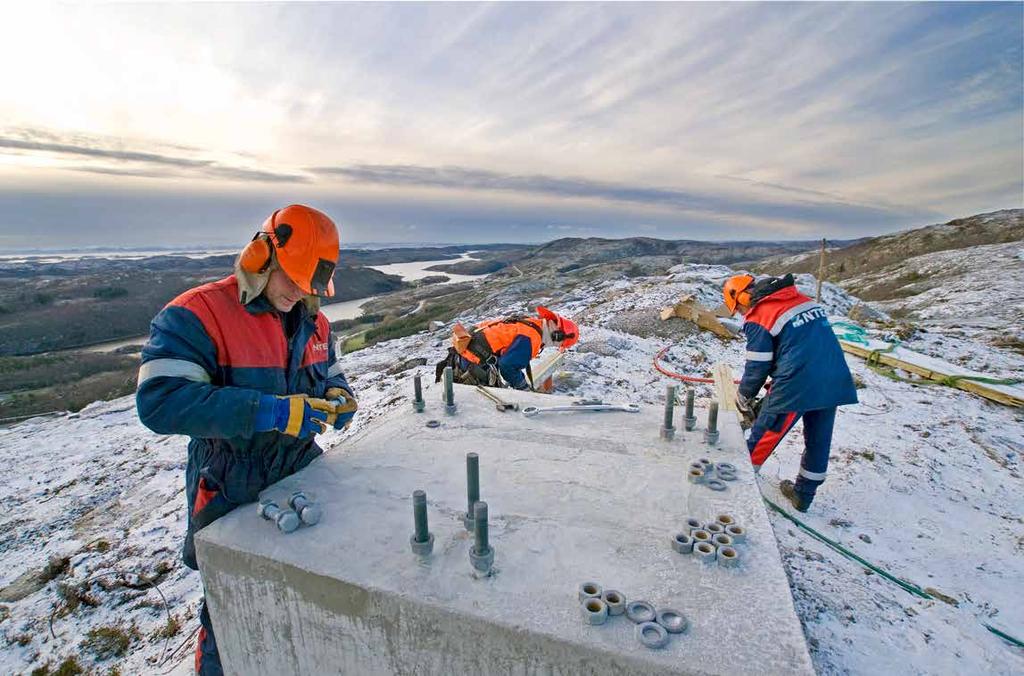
(724, 386)
(545, 370)
(689, 309)
(1000, 394)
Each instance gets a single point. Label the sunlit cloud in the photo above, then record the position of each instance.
(780, 118)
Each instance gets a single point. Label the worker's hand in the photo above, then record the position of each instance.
(746, 409)
(339, 404)
(293, 415)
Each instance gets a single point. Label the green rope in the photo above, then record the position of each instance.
(852, 333)
(909, 587)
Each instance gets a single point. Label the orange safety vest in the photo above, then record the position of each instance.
(493, 337)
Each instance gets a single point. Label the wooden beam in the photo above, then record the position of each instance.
(725, 388)
(542, 374)
(998, 394)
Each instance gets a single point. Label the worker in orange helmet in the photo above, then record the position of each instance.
(499, 351)
(789, 338)
(246, 367)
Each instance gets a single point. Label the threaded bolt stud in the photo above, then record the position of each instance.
(668, 430)
(711, 433)
(481, 554)
(449, 391)
(422, 540)
(472, 488)
(417, 388)
(691, 420)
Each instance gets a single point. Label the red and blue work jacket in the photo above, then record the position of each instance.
(208, 360)
(790, 340)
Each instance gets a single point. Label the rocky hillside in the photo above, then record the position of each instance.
(962, 275)
(880, 255)
(644, 256)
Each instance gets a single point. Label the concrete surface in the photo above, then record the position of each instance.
(572, 497)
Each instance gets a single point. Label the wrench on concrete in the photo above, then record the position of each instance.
(531, 411)
(499, 403)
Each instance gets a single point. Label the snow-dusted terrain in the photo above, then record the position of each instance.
(924, 481)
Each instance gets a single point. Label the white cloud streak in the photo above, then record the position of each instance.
(904, 111)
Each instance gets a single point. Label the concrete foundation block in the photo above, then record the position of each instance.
(346, 597)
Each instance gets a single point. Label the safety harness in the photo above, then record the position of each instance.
(485, 371)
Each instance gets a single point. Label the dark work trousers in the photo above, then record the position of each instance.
(770, 429)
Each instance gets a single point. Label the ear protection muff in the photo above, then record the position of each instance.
(257, 255)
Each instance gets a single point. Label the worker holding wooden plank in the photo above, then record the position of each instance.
(789, 339)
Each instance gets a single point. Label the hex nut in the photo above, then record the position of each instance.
(725, 519)
(482, 561)
(737, 533)
(589, 590)
(695, 476)
(725, 467)
(652, 635)
(693, 524)
(594, 611)
(433, 423)
(700, 536)
(682, 543)
(697, 465)
(707, 463)
(422, 548)
(715, 485)
(728, 557)
(704, 551)
(722, 540)
(615, 601)
(673, 621)
(288, 520)
(640, 611)
(714, 528)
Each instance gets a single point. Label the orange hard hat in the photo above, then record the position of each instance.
(305, 243)
(735, 290)
(566, 332)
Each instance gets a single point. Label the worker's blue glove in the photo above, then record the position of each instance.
(289, 415)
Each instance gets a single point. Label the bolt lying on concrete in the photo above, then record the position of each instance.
(286, 519)
(668, 430)
(449, 391)
(307, 511)
(422, 540)
(417, 390)
(690, 420)
(472, 488)
(711, 433)
(481, 554)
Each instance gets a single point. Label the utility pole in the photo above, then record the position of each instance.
(821, 270)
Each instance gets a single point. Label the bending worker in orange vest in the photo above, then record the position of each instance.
(501, 349)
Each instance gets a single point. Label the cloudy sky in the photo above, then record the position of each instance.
(171, 125)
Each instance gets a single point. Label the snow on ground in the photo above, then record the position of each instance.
(976, 287)
(924, 481)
